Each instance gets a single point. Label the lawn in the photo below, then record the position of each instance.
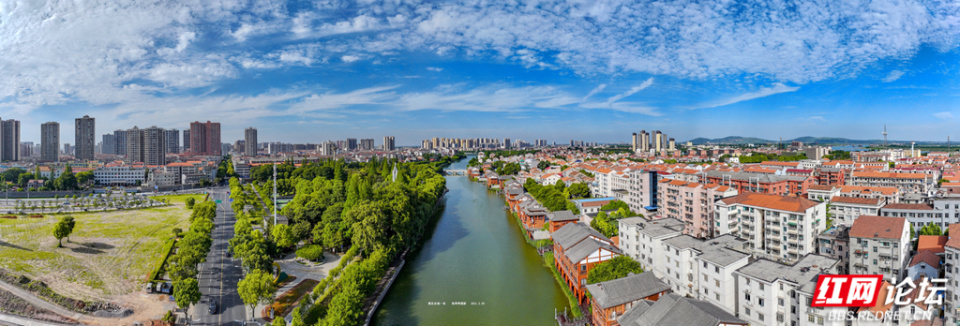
(108, 254)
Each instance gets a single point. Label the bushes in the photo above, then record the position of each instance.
(311, 252)
(158, 272)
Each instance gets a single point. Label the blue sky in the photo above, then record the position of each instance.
(559, 70)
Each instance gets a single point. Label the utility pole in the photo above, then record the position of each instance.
(884, 135)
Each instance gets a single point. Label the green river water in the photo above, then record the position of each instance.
(474, 269)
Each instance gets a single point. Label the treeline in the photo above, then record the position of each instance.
(556, 197)
(756, 157)
(337, 205)
(192, 250)
(66, 181)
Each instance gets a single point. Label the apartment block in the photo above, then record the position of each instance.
(691, 203)
(778, 227)
(889, 194)
(846, 209)
(880, 245)
(916, 183)
(250, 141)
(704, 268)
(171, 137)
(85, 140)
(205, 138)
(121, 142)
(146, 146)
(642, 239)
(771, 293)
(835, 243)
(760, 182)
(951, 269)
(10, 141)
(50, 142)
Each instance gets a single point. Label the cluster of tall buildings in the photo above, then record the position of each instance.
(655, 141)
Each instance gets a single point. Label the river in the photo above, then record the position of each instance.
(477, 257)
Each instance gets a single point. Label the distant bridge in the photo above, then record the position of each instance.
(455, 172)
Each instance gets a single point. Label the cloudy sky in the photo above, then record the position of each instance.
(596, 70)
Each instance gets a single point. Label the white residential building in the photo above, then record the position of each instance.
(778, 227)
(642, 239)
(880, 245)
(951, 269)
(120, 175)
(771, 293)
(846, 209)
(704, 268)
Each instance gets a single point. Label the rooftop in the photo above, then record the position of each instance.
(804, 272)
(777, 202)
(933, 243)
(854, 200)
(925, 207)
(882, 227)
(633, 287)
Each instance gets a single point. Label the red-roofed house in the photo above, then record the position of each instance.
(924, 263)
(879, 245)
(932, 243)
(846, 209)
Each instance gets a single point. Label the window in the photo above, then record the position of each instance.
(746, 296)
(779, 317)
(716, 269)
(819, 320)
(583, 268)
(746, 311)
(810, 318)
(761, 286)
(716, 282)
(780, 302)
(717, 295)
(760, 316)
(748, 281)
(705, 278)
(706, 291)
(760, 301)
(704, 264)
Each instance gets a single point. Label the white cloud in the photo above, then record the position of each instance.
(894, 75)
(632, 91)
(762, 92)
(594, 91)
(818, 118)
(943, 115)
(349, 58)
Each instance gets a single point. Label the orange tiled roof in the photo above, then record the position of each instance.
(908, 206)
(933, 243)
(821, 187)
(895, 175)
(870, 226)
(783, 203)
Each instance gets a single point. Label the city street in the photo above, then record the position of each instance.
(220, 274)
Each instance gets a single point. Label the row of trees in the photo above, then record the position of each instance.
(66, 181)
(192, 250)
(339, 205)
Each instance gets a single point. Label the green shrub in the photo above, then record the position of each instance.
(165, 253)
(312, 252)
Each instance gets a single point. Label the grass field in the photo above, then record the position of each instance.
(108, 254)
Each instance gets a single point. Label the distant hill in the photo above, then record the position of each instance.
(738, 140)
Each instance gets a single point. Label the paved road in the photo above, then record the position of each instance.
(220, 274)
(37, 301)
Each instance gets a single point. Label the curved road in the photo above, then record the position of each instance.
(38, 302)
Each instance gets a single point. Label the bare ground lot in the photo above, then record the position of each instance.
(108, 257)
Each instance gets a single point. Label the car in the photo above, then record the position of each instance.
(214, 307)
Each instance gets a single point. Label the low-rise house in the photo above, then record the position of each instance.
(889, 194)
(924, 264)
(610, 299)
(673, 309)
(561, 218)
(880, 245)
(932, 243)
(592, 205)
(577, 250)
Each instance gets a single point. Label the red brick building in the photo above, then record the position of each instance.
(610, 299)
(205, 138)
(577, 249)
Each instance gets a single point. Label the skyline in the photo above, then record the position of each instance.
(558, 71)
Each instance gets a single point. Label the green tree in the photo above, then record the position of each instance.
(345, 308)
(187, 293)
(283, 236)
(543, 165)
(279, 321)
(61, 230)
(67, 180)
(612, 269)
(256, 287)
(71, 223)
(84, 177)
(190, 202)
(579, 190)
